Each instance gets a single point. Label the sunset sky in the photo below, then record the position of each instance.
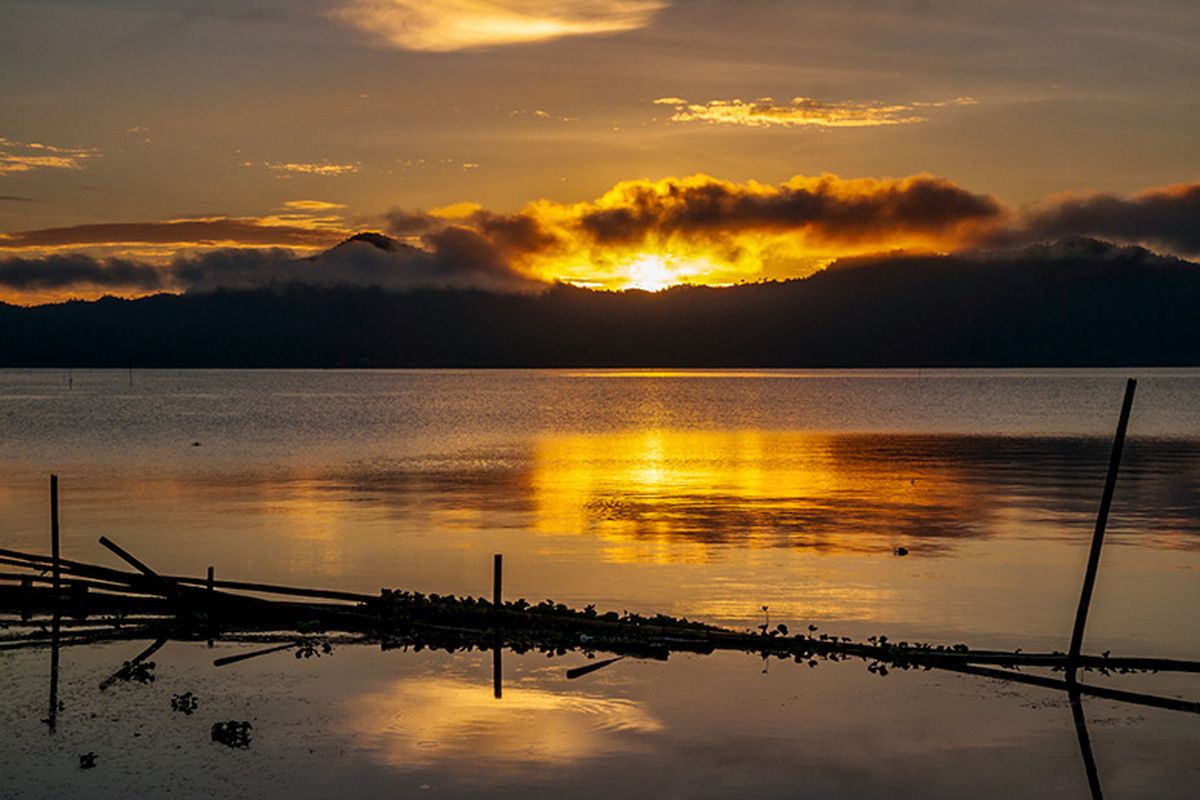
(609, 143)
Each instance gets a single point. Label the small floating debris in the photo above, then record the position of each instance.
(87, 760)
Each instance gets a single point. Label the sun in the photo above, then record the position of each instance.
(651, 273)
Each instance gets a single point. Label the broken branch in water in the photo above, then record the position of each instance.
(397, 618)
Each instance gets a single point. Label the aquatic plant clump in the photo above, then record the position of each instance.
(185, 703)
(233, 733)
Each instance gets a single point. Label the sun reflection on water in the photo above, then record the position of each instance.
(691, 490)
(421, 721)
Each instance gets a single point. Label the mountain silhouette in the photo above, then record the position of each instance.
(1077, 302)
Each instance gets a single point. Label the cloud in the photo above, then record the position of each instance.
(230, 268)
(448, 25)
(294, 231)
(321, 168)
(312, 205)
(18, 156)
(701, 228)
(640, 233)
(1166, 217)
(14, 198)
(75, 269)
(457, 258)
(802, 111)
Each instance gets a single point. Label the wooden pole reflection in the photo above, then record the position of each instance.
(56, 622)
(1085, 742)
(497, 670)
(52, 716)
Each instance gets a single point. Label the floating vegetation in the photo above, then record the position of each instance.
(233, 733)
(185, 703)
(307, 647)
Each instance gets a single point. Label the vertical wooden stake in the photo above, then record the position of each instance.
(208, 584)
(1089, 577)
(497, 578)
(54, 533)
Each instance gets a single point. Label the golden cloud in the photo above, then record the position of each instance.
(18, 156)
(652, 234)
(322, 168)
(447, 25)
(312, 205)
(802, 111)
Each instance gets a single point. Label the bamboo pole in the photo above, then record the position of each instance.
(1093, 564)
(34, 561)
(138, 565)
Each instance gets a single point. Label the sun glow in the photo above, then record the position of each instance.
(653, 272)
(650, 273)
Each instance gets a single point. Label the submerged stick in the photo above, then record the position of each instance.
(1093, 564)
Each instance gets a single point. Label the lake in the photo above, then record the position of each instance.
(696, 493)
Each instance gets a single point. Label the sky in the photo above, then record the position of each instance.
(608, 143)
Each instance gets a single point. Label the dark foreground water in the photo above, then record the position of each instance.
(708, 495)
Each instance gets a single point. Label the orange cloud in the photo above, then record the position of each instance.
(448, 25)
(650, 234)
(802, 111)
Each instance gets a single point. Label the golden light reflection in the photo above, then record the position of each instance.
(416, 722)
(664, 496)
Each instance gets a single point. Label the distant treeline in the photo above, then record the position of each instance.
(1079, 303)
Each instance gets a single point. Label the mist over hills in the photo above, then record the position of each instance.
(1078, 302)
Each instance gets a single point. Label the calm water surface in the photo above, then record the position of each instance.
(695, 493)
